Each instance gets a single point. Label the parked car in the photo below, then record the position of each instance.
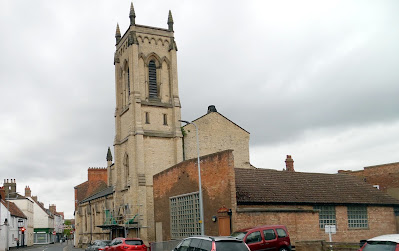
(209, 243)
(125, 244)
(98, 245)
(269, 237)
(388, 242)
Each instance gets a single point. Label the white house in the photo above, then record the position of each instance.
(43, 223)
(25, 204)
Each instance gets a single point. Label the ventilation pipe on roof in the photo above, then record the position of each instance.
(211, 108)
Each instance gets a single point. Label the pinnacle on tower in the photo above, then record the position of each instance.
(132, 15)
(109, 155)
(170, 21)
(117, 34)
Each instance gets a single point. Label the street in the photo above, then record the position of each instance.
(52, 247)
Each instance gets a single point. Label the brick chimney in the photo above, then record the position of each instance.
(289, 164)
(97, 174)
(53, 208)
(10, 188)
(28, 193)
(34, 198)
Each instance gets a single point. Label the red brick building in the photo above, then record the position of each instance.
(235, 198)
(384, 177)
(97, 179)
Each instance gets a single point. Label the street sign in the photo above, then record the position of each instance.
(54, 233)
(330, 229)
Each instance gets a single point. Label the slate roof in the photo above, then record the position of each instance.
(266, 186)
(88, 188)
(102, 193)
(14, 209)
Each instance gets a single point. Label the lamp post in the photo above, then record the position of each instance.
(199, 178)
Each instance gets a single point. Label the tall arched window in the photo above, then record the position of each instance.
(126, 166)
(128, 81)
(152, 79)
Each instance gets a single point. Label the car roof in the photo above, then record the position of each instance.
(259, 227)
(387, 237)
(216, 238)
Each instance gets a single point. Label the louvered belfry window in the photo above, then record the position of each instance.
(152, 79)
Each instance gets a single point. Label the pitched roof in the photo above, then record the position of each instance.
(14, 209)
(223, 117)
(102, 193)
(89, 188)
(265, 186)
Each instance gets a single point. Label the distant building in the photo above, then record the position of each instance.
(12, 220)
(25, 203)
(384, 177)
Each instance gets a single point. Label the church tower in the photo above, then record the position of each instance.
(148, 137)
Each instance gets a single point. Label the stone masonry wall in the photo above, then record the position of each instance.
(216, 133)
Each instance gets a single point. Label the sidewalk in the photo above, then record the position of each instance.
(65, 246)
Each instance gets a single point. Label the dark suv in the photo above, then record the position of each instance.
(269, 237)
(209, 243)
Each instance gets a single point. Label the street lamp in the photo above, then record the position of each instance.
(199, 178)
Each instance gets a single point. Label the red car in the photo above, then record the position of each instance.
(269, 237)
(126, 244)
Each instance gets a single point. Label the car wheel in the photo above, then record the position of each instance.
(284, 249)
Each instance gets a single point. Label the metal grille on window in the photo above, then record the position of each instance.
(326, 215)
(185, 215)
(152, 80)
(357, 217)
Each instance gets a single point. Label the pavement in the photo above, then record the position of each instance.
(65, 246)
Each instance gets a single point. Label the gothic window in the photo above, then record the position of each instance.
(152, 80)
(128, 81)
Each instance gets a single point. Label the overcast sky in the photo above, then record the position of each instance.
(315, 79)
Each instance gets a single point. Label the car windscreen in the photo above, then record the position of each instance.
(134, 242)
(231, 245)
(380, 246)
(239, 235)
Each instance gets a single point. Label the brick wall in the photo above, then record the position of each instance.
(95, 174)
(386, 176)
(217, 173)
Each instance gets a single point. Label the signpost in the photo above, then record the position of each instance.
(330, 229)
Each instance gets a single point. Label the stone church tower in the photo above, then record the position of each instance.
(148, 137)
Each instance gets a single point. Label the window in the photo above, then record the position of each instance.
(281, 233)
(269, 234)
(126, 167)
(165, 119)
(357, 217)
(254, 237)
(326, 215)
(185, 215)
(152, 80)
(147, 117)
